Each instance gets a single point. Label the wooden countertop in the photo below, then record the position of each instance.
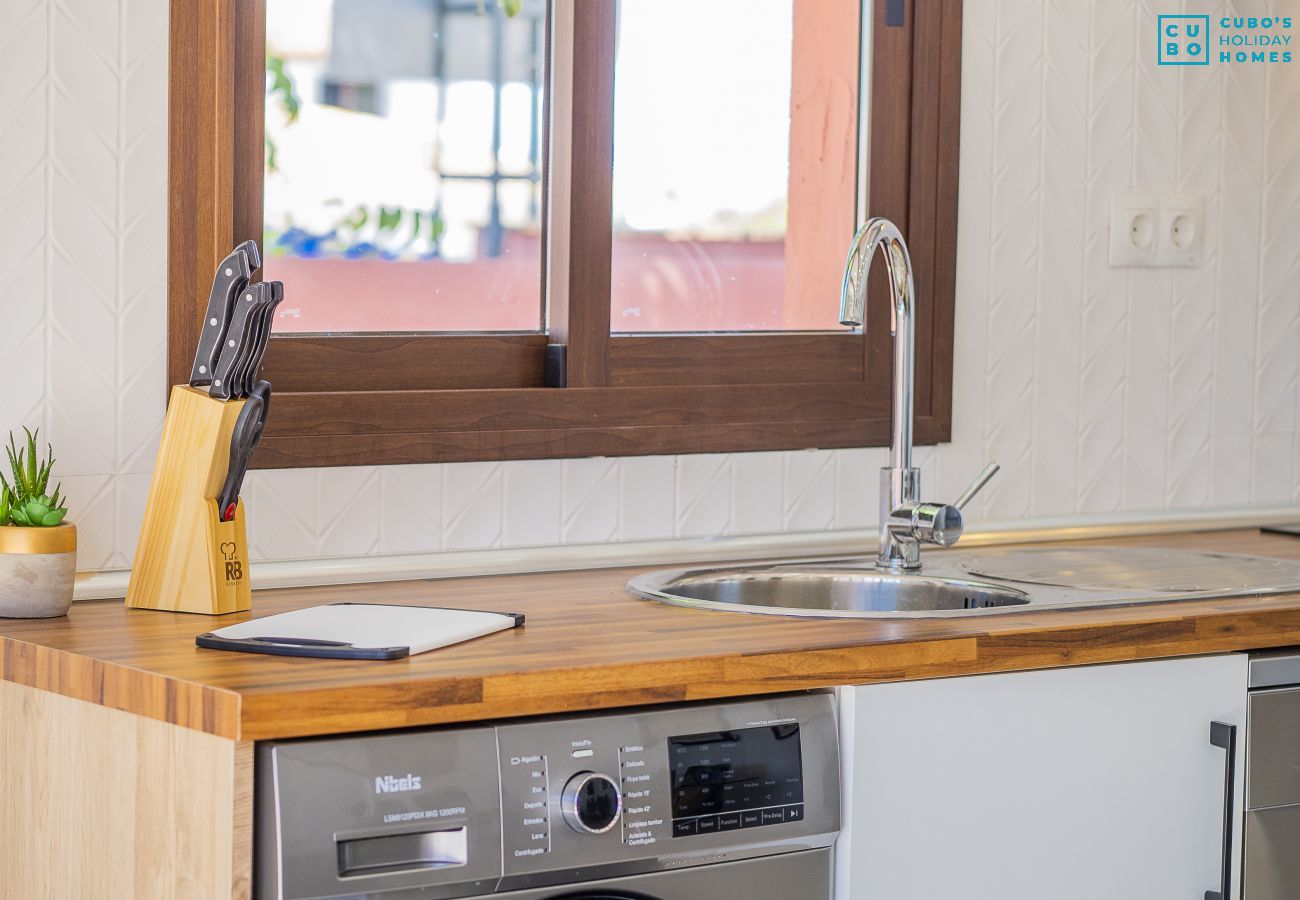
(586, 645)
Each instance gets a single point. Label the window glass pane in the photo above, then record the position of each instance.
(735, 159)
(403, 181)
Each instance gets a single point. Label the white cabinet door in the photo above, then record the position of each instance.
(1087, 783)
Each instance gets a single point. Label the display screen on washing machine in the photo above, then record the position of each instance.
(743, 778)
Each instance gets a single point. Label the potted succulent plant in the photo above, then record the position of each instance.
(38, 549)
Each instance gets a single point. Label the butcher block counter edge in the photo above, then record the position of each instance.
(586, 645)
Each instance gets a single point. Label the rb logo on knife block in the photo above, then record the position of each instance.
(188, 560)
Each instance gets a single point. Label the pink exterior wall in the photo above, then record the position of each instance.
(721, 286)
(823, 159)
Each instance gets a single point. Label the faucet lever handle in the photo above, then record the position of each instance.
(977, 485)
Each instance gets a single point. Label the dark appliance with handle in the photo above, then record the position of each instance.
(1271, 858)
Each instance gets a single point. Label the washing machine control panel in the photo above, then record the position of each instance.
(614, 789)
(736, 778)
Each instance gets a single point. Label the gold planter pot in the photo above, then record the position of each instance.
(38, 567)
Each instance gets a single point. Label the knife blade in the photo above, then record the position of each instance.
(261, 334)
(231, 277)
(225, 383)
(243, 441)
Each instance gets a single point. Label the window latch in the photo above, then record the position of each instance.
(557, 365)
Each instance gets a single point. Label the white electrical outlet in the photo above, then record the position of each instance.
(1134, 221)
(1181, 239)
(1157, 231)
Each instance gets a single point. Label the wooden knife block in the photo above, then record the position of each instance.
(188, 560)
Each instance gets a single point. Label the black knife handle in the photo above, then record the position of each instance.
(243, 441)
(254, 257)
(277, 291)
(232, 275)
(261, 334)
(241, 379)
(239, 383)
(225, 383)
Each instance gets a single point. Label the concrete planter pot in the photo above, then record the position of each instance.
(37, 570)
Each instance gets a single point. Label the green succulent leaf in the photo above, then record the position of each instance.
(43, 479)
(31, 460)
(15, 465)
(24, 502)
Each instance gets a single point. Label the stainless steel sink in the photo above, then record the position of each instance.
(809, 590)
(970, 583)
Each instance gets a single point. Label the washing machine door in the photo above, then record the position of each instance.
(604, 895)
(805, 874)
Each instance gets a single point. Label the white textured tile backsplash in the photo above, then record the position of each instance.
(1099, 390)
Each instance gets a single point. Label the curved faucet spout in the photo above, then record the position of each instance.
(884, 234)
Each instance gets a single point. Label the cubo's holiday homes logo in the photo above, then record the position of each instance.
(1187, 40)
(1182, 40)
(1254, 39)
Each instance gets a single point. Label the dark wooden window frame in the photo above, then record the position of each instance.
(387, 399)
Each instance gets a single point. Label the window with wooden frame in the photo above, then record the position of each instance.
(579, 384)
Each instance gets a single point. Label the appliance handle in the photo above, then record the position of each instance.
(407, 852)
(1224, 736)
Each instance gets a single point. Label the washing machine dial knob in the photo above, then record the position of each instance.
(591, 803)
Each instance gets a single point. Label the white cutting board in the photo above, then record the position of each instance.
(358, 630)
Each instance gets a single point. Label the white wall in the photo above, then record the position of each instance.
(83, 158)
(1099, 390)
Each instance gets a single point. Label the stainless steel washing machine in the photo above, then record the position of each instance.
(680, 803)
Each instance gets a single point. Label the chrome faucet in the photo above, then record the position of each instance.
(905, 521)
